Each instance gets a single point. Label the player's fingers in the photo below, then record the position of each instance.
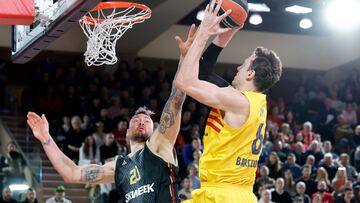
(192, 31)
(31, 124)
(223, 30)
(178, 40)
(224, 15)
(212, 5)
(207, 8)
(44, 118)
(218, 6)
(34, 115)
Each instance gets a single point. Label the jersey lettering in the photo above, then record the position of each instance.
(134, 176)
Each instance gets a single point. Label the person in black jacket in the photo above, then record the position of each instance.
(30, 196)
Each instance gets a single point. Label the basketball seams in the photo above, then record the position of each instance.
(238, 15)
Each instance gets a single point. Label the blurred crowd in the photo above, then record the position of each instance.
(312, 142)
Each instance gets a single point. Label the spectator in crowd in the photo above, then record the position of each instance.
(115, 109)
(329, 165)
(109, 149)
(315, 150)
(350, 170)
(286, 134)
(196, 157)
(289, 183)
(275, 117)
(357, 193)
(338, 183)
(89, 152)
(187, 188)
(59, 196)
(120, 132)
(193, 174)
(349, 115)
(86, 125)
(299, 152)
(346, 197)
(105, 119)
(264, 179)
(279, 195)
(99, 134)
(356, 158)
(342, 130)
(265, 197)
(310, 160)
(274, 165)
(74, 139)
(322, 193)
(30, 196)
(307, 133)
(327, 147)
(300, 191)
(309, 182)
(291, 164)
(185, 126)
(322, 175)
(189, 149)
(297, 199)
(6, 196)
(12, 165)
(355, 138)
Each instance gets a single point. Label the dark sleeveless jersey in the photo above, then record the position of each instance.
(146, 178)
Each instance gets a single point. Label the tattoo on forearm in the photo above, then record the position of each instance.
(92, 173)
(171, 109)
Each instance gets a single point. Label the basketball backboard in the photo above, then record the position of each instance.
(53, 18)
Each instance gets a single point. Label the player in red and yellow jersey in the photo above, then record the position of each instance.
(235, 127)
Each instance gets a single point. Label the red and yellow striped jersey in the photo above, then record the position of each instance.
(231, 154)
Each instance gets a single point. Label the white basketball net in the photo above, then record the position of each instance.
(103, 34)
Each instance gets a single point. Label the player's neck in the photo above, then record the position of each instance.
(246, 87)
(136, 146)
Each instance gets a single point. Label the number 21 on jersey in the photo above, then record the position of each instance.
(134, 175)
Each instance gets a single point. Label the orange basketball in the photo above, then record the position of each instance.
(238, 15)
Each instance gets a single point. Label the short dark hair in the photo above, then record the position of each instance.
(144, 110)
(268, 68)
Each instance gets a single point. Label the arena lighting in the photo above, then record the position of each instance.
(200, 15)
(258, 7)
(298, 9)
(255, 19)
(343, 13)
(18, 187)
(305, 23)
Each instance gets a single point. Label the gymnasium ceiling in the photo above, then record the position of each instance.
(316, 48)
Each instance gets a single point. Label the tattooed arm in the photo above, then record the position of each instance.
(68, 170)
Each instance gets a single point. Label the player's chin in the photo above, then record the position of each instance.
(141, 137)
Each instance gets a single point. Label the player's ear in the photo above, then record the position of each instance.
(250, 74)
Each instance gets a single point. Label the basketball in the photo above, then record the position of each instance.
(238, 15)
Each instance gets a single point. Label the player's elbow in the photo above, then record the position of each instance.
(180, 84)
(68, 179)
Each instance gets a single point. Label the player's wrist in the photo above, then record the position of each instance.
(46, 141)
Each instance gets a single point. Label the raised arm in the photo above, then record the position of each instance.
(165, 135)
(67, 169)
(188, 80)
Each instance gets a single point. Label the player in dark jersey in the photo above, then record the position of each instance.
(149, 173)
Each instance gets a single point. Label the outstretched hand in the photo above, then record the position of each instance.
(39, 126)
(185, 45)
(211, 22)
(223, 39)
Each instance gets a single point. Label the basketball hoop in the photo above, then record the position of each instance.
(105, 24)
